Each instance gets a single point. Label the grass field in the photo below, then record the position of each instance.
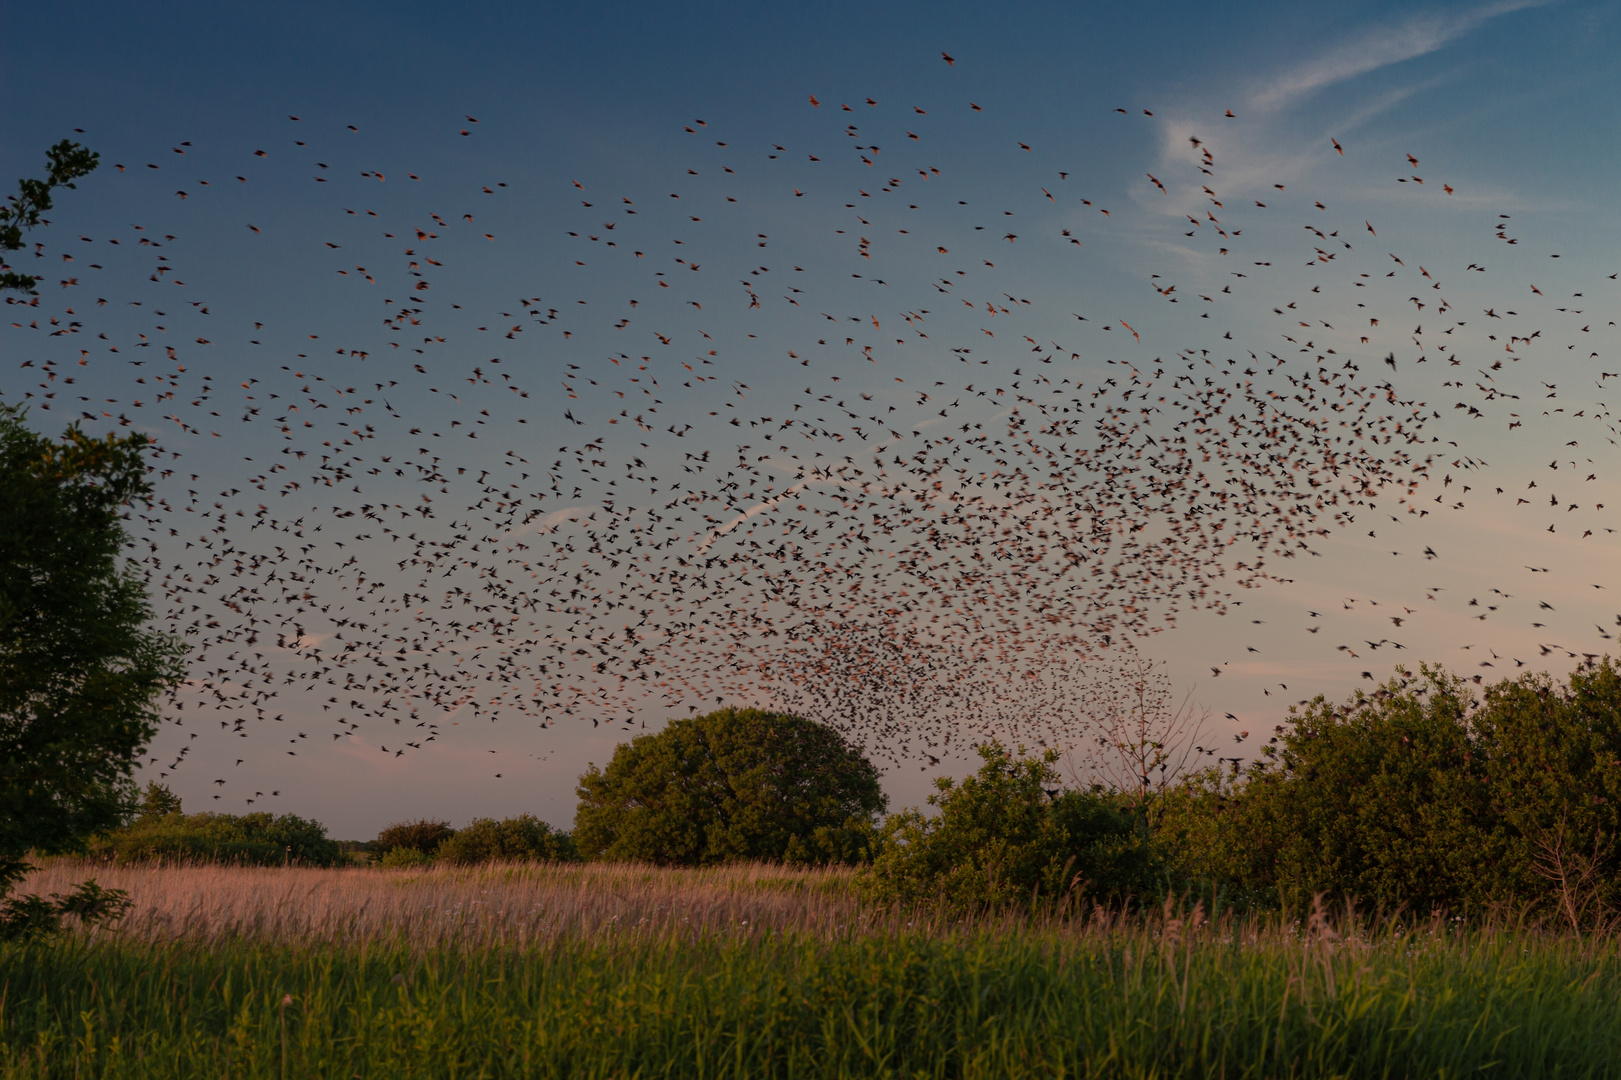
(753, 972)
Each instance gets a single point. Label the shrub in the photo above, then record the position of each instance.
(734, 784)
(1552, 764)
(403, 858)
(1421, 794)
(1214, 852)
(516, 839)
(262, 839)
(1009, 836)
(423, 836)
(30, 916)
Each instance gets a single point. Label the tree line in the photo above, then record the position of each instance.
(1422, 794)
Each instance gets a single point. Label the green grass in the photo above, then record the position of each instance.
(1147, 1000)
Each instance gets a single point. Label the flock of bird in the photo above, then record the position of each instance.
(927, 521)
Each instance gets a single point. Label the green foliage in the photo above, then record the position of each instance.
(1552, 766)
(524, 838)
(734, 784)
(1008, 836)
(89, 903)
(1130, 1003)
(404, 858)
(67, 161)
(261, 839)
(158, 801)
(1420, 794)
(80, 674)
(1211, 852)
(421, 836)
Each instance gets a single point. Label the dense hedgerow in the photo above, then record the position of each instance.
(1423, 794)
(1430, 792)
(524, 838)
(162, 830)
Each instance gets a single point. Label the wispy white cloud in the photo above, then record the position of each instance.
(1379, 47)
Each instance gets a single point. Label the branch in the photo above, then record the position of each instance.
(66, 162)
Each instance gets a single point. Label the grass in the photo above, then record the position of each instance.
(757, 972)
(446, 905)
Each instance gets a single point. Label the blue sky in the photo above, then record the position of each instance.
(1509, 105)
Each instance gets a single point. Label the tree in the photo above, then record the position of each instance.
(524, 838)
(80, 674)
(157, 801)
(1380, 800)
(1142, 740)
(735, 784)
(1552, 761)
(1008, 835)
(66, 162)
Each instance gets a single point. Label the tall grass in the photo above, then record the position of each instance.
(781, 975)
(443, 905)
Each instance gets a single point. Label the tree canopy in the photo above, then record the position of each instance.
(80, 672)
(733, 784)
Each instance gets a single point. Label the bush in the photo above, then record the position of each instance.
(404, 858)
(1420, 794)
(735, 784)
(1213, 853)
(1552, 763)
(517, 839)
(262, 839)
(423, 836)
(1009, 836)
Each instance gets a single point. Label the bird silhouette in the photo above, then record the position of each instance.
(921, 519)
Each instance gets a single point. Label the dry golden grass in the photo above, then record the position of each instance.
(439, 905)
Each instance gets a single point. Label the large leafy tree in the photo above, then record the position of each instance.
(735, 784)
(80, 671)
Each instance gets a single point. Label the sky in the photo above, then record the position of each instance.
(1437, 185)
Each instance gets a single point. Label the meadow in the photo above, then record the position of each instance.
(602, 970)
